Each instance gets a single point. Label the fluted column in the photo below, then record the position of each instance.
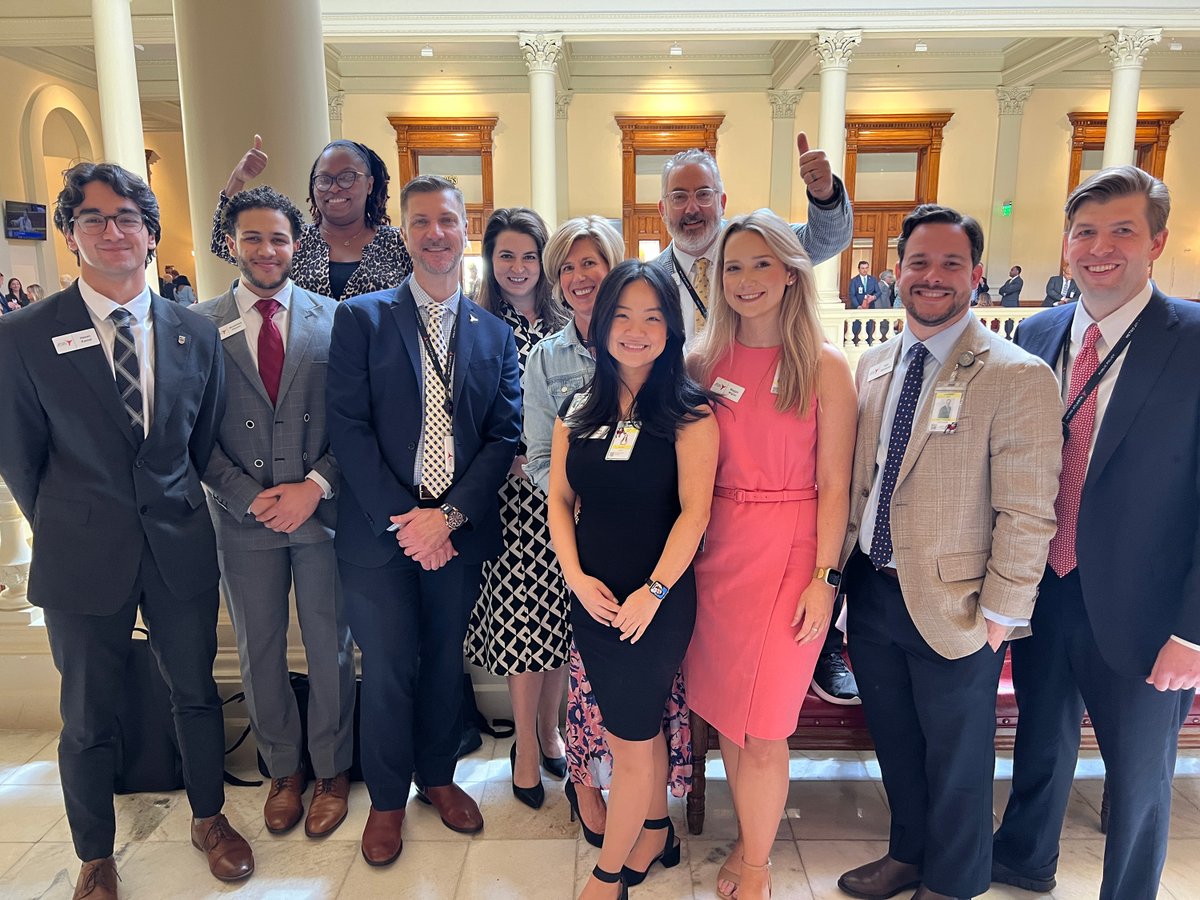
(541, 53)
(247, 69)
(117, 84)
(1127, 49)
(561, 103)
(835, 50)
(1011, 102)
(14, 554)
(783, 149)
(336, 101)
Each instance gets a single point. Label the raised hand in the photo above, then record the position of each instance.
(815, 169)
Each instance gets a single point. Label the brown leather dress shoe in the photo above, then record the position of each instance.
(284, 805)
(458, 811)
(881, 879)
(97, 880)
(924, 893)
(328, 807)
(382, 840)
(229, 856)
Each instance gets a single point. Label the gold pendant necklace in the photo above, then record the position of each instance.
(345, 243)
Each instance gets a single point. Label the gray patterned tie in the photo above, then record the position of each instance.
(435, 475)
(127, 372)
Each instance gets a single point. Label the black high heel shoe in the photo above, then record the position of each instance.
(554, 765)
(669, 856)
(532, 797)
(612, 878)
(596, 840)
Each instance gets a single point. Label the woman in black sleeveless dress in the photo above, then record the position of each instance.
(637, 448)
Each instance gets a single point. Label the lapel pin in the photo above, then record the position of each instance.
(182, 339)
(473, 319)
(966, 359)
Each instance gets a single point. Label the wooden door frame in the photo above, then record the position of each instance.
(1153, 134)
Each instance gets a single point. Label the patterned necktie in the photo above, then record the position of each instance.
(270, 347)
(1075, 457)
(906, 408)
(127, 372)
(700, 283)
(435, 475)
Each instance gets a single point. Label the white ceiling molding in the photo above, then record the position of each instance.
(1056, 57)
(795, 62)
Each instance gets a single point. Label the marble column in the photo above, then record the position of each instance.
(14, 555)
(541, 52)
(834, 49)
(783, 149)
(1011, 102)
(1127, 49)
(276, 89)
(561, 103)
(117, 85)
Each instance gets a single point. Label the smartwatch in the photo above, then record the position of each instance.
(830, 576)
(657, 589)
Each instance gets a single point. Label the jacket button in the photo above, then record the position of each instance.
(258, 464)
(249, 423)
(564, 389)
(306, 417)
(412, 446)
(143, 509)
(139, 463)
(852, 527)
(866, 492)
(304, 456)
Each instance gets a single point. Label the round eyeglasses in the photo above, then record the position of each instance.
(94, 223)
(705, 197)
(345, 180)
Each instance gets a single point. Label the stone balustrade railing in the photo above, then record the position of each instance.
(856, 330)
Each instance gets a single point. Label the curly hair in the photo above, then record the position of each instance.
(123, 183)
(375, 213)
(262, 197)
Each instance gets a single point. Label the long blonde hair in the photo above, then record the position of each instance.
(800, 354)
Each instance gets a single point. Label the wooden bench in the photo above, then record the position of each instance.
(824, 726)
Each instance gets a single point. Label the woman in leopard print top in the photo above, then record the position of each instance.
(350, 248)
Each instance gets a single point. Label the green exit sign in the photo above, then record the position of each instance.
(1006, 209)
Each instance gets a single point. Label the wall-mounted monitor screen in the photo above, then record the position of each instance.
(24, 221)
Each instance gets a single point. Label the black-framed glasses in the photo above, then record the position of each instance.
(705, 197)
(345, 180)
(94, 223)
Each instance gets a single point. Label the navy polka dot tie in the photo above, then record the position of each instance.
(910, 392)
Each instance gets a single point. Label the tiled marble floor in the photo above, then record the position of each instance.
(836, 819)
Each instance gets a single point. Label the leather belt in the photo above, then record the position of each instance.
(423, 493)
(889, 572)
(737, 495)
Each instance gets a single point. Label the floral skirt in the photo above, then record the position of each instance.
(588, 758)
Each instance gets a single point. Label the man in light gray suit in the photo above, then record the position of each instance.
(271, 484)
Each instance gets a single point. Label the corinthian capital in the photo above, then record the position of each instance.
(1012, 99)
(783, 103)
(1129, 46)
(541, 51)
(836, 47)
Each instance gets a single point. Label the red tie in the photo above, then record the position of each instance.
(1075, 457)
(270, 347)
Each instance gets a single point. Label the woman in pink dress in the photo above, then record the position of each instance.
(765, 580)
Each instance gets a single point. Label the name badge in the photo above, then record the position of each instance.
(621, 447)
(943, 417)
(231, 328)
(728, 389)
(880, 369)
(448, 449)
(69, 343)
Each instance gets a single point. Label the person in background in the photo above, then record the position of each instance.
(1010, 291)
(887, 298)
(184, 295)
(864, 288)
(1061, 288)
(35, 293)
(166, 283)
(351, 247)
(14, 296)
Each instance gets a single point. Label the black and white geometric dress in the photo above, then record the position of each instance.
(521, 622)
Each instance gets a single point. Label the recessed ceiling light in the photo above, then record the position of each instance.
(920, 46)
(427, 50)
(676, 50)
(1176, 44)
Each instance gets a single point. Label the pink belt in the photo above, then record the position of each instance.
(739, 496)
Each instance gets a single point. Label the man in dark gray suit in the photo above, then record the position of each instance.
(1061, 289)
(111, 402)
(1010, 291)
(271, 483)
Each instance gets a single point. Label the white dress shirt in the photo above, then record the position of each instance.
(141, 327)
(686, 303)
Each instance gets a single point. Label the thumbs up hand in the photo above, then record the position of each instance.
(815, 169)
(253, 164)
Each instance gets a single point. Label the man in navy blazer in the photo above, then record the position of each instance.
(864, 287)
(410, 550)
(111, 403)
(1117, 624)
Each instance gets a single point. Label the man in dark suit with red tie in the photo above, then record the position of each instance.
(1117, 622)
(424, 404)
(111, 403)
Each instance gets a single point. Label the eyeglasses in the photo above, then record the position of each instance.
(345, 180)
(94, 223)
(705, 197)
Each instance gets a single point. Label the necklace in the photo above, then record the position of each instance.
(347, 242)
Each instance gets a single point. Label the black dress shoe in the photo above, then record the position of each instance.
(878, 880)
(833, 681)
(1002, 874)
(532, 797)
(555, 765)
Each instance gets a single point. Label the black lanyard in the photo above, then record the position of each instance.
(1098, 375)
(446, 375)
(700, 307)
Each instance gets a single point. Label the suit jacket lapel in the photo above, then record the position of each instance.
(91, 363)
(172, 359)
(300, 335)
(1148, 352)
(1046, 343)
(404, 313)
(468, 326)
(236, 345)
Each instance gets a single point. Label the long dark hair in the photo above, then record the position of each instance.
(527, 222)
(670, 397)
(375, 213)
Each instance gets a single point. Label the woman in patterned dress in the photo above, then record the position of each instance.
(350, 248)
(519, 627)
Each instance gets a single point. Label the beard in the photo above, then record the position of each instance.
(248, 274)
(420, 260)
(949, 312)
(694, 245)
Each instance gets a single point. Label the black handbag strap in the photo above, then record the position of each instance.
(228, 776)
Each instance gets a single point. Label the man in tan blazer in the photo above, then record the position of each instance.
(952, 510)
